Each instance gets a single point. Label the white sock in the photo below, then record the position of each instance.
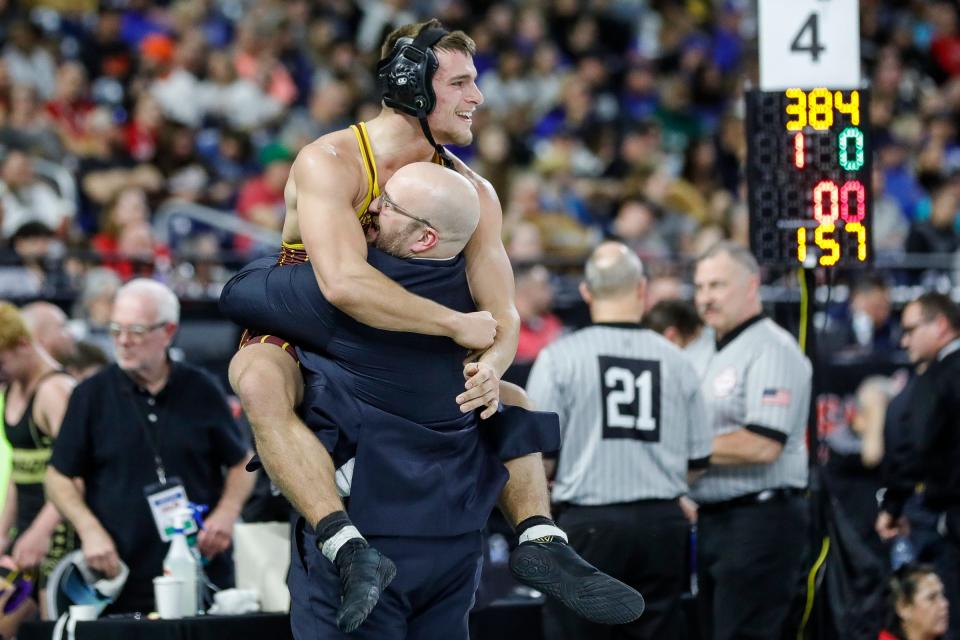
(542, 533)
(337, 540)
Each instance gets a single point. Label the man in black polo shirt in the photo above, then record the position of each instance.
(139, 427)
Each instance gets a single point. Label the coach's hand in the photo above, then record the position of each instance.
(475, 330)
(482, 389)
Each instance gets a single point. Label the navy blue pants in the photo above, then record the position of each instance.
(430, 598)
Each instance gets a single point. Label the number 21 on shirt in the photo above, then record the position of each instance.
(630, 395)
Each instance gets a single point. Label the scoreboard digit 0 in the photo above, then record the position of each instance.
(809, 177)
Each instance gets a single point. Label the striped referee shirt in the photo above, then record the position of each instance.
(757, 379)
(632, 420)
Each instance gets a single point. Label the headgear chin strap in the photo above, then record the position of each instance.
(405, 79)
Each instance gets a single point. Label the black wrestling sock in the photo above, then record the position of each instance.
(364, 571)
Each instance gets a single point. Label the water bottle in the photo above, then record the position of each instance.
(901, 552)
(181, 563)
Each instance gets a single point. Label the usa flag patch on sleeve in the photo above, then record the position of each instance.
(775, 397)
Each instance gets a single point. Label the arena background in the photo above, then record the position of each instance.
(153, 138)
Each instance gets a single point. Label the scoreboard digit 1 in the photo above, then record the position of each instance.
(809, 177)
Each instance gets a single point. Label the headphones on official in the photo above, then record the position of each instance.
(405, 77)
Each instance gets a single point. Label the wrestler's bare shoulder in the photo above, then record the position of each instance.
(330, 164)
(482, 185)
(337, 149)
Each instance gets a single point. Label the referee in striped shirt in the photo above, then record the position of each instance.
(752, 527)
(634, 429)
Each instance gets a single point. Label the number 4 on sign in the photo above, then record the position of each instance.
(809, 33)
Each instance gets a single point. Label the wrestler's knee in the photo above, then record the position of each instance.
(267, 381)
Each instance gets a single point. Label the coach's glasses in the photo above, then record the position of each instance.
(135, 331)
(388, 201)
(906, 330)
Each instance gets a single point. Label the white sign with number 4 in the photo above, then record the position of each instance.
(809, 44)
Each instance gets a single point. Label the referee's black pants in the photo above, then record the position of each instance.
(644, 545)
(749, 559)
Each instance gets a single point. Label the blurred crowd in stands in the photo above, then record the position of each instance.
(602, 118)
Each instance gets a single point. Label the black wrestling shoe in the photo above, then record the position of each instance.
(557, 570)
(364, 574)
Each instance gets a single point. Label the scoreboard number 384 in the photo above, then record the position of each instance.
(809, 177)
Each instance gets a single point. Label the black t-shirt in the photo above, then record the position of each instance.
(104, 440)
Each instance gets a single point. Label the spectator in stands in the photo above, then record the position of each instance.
(128, 206)
(637, 225)
(26, 198)
(103, 52)
(174, 85)
(38, 250)
(255, 58)
(329, 110)
(142, 133)
(92, 309)
(143, 420)
(48, 325)
(238, 102)
(665, 286)
(70, 107)
(28, 127)
(138, 252)
(868, 327)
(28, 60)
(261, 198)
(890, 223)
(534, 299)
(938, 234)
(525, 244)
(918, 608)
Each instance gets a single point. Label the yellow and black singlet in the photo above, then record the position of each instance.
(294, 252)
(31, 449)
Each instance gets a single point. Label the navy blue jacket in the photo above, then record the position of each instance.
(389, 398)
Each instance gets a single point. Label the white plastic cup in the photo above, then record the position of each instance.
(83, 612)
(167, 592)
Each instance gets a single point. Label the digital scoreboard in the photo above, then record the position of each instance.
(809, 177)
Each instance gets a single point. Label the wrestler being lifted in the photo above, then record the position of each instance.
(428, 83)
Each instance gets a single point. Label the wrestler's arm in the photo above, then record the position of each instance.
(491, 278)
(337, 249)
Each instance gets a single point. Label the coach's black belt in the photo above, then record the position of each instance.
(759, 497)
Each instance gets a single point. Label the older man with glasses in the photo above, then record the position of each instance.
(141, 429)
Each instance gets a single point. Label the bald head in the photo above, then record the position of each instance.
(443, 198)
(613, 269)
(47, 324)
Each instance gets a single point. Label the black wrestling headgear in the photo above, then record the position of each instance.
(405, 77)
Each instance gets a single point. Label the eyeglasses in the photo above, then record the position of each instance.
(135, 331)
(907, 329)
(388, 201)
